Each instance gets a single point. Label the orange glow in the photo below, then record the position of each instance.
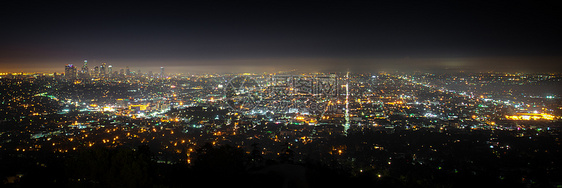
(530, 116)
(140, 106)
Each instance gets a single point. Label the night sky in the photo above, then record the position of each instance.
(242, 36)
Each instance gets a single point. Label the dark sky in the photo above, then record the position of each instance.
(277, 35)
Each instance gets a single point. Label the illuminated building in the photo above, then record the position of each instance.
(102, 70)
(110, 70)
(138, 107)
(85, 72)
(122, 102)
(70, 72)
(161, 72)
(530, 116)
(96, 72)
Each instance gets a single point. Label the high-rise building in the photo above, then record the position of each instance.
(109, 70)
(96, 72)
(121, 72)
(102, 70)
(161, 72)
(70, 72)
(127, 72)
(84, 73)
(85, 67)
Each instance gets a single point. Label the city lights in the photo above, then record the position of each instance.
(280, 94)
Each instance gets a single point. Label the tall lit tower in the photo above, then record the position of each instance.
(84, 73)
(102, 70)
(346, 126)
(70, 72)
(161, 72)
(85, 67)
(96, 72)
(109, 70)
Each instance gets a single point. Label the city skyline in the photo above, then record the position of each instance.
(431, 65)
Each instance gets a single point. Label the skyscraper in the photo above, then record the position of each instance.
(102, 70)
(85, 73)
(96, 71)
(109, 70)
(127, 72)
(70, 72)
(161, 72)
(85, 67)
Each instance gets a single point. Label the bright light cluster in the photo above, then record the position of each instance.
(530, 116)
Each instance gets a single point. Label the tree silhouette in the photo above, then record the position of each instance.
(256, 156)
(286, 155)
(102, 167)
